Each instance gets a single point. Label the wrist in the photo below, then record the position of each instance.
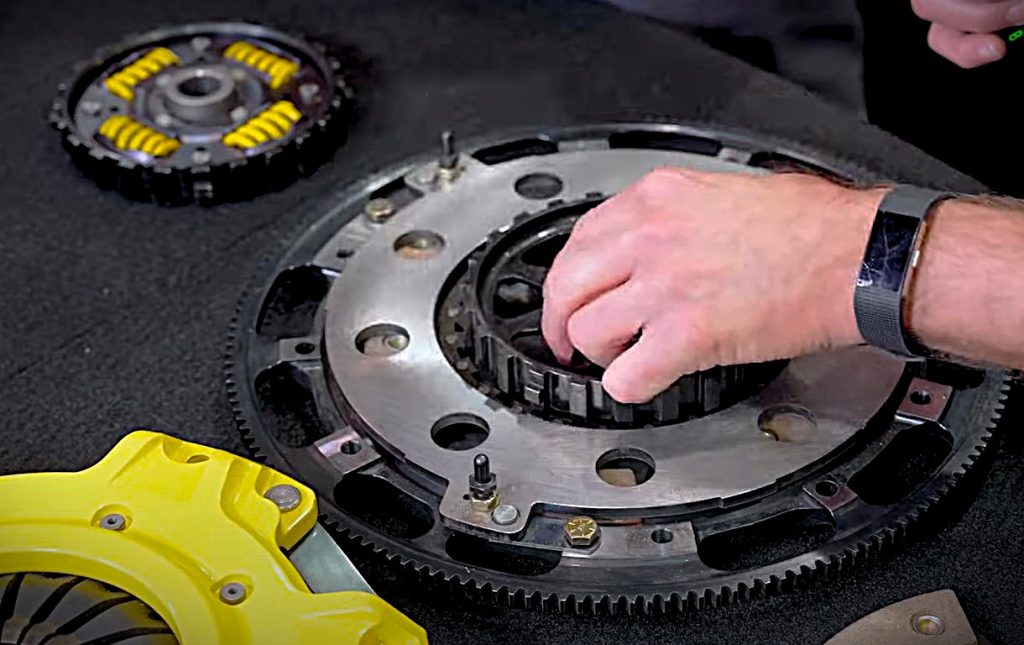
(855, 211)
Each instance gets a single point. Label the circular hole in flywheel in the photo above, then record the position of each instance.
(305, 348)
(826, 488)
(538, 185)
(199, 86)
(921, 397)
(460, 431)
(351, 447)
(661, 536)
(382, 340)
(787, 423)
(625, 467)
(419, 245)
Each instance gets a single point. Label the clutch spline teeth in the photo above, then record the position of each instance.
(213, 173)
(563, 391)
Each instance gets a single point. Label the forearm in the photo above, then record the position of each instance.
(967, 296)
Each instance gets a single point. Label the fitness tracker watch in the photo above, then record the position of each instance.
(889, 260)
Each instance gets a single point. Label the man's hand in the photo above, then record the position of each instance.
(686, 270)
(962, 30)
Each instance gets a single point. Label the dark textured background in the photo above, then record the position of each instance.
(114, 313)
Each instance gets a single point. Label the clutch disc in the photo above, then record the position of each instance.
(205, 112)
(391, 360)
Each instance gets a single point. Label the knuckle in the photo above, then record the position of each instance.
(923, 8)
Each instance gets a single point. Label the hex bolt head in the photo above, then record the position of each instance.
(239, 113)
(201, 157)
(113, 522)
(163, 120)
(581, 531)
(92, 108)
(285, 496)
(309, 91)
(200, 43)
(505, 514)
(232, 593)
(379, 210)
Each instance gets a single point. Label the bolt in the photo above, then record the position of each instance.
(163, 80)
(92, 108)
(928, 625)
(201, 157)
(397, 342)
(164, 120)
(426, 175)
(309, 91)
(239, 113)
(379, 210)
(581, 531)
(505, 514)
(232, 593)
(286, 496)
(113, 522)
(449, 157)
(200, 43)
(483, 485)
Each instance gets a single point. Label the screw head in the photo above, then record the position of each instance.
(928, 625)
(113, 522)
(163, 120)
(309, 91)
(581, 531)
(286, 496)
(239, 113)
(201, 157)
(200, 43)
(505, 514)
(379, 210)
(233, 593)
(92, 108)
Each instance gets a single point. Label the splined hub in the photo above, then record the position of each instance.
(208, 112)
(499, 300)
(392, 360)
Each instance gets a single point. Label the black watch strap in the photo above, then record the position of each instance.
(889, 260)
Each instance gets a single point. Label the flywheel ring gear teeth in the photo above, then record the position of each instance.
(646, 585)
(561, 391)
(266, 168)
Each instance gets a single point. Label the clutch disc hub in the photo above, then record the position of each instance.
(392, 360)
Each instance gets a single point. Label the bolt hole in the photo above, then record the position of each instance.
(305, 348)
(419, 245)
(460, 432)
(661, 536)
(787, 423)
(382, 340)
(538, 185)
(345, 254)
(197, 459)
(351, 447)
(826, 488)
(466, 497)
(921, 397)
(625, 467)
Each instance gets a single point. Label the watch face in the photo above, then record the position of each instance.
(888, 254)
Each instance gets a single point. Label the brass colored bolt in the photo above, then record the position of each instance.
(581, 531)
(379, 210)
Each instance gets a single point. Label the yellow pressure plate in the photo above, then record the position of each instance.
(188, 531)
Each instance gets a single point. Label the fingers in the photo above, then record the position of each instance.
(578, 275)
(650, 366)
(965, 49)
(603, 328)
(977, 17)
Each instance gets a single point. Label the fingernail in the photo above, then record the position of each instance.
(1015, 14)
(990, 52)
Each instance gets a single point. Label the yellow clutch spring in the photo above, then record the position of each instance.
(273, 123)
(278, 68)
(122, 83)
(128, 134)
